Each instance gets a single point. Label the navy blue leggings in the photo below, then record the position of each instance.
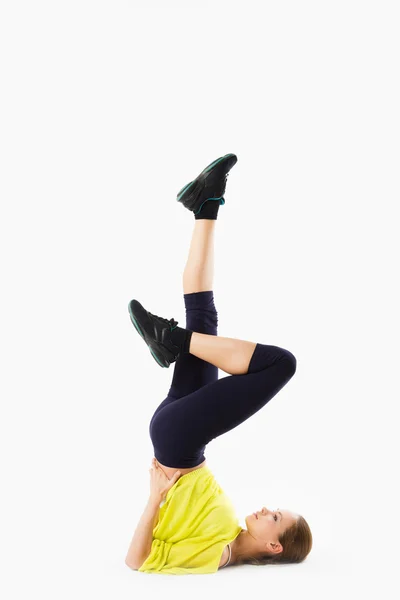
(199, 406)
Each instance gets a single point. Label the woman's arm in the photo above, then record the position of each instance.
(142, 539)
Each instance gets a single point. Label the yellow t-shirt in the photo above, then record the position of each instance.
(195, 524)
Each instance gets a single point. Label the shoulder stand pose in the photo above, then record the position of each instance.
(189, 524)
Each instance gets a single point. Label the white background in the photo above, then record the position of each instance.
(107, 110)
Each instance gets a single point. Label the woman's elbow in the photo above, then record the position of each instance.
(132, 565)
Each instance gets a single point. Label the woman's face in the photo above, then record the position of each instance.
(269, 524)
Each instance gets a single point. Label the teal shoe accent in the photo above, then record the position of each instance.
(151, 350)
(222, 198)
(210, 166)
(183, 190)
(215, 162)
(136, 325)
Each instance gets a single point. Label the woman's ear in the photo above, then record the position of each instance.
(274, 548)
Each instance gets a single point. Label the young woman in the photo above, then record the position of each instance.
(195, 530)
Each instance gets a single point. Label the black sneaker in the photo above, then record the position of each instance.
(209, 185)
(156, 333)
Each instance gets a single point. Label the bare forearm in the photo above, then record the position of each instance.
(140, 546)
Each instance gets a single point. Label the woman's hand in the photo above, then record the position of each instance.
(159, 482)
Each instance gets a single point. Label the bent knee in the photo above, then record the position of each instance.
(290, 362)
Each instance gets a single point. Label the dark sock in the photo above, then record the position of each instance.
(181, 337)
(209, 210)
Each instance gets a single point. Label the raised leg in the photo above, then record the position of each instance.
(198, 274)
(191, 372)
(229, 354)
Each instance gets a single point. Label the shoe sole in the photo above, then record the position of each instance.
(186, 188)
(153, 352)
